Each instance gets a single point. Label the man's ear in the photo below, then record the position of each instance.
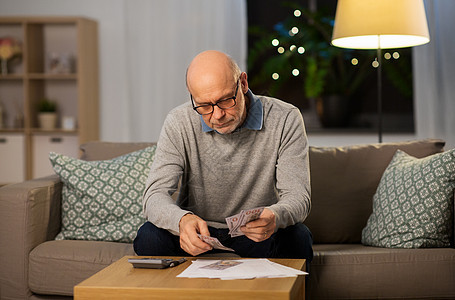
(244, 82)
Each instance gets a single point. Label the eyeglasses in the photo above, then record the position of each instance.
(207, 109)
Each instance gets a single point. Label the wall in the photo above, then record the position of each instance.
(144, 52)
(111, 23)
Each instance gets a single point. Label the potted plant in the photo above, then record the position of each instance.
(47, 114)
(303, 58)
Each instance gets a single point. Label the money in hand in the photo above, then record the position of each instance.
(233, 223)
(214, 242)
(236, 221)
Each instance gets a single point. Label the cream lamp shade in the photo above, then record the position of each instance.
(380, 24)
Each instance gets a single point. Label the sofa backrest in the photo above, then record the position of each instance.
(108, 150)
(343, 182)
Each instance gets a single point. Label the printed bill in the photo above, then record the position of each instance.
(214, 242)
(236, 221)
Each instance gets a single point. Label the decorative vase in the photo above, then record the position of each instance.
(47, 120)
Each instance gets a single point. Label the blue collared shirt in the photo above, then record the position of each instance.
(254, 119)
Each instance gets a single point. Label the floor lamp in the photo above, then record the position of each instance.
(380, 24)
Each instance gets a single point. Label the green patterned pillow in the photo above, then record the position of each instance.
(413, 204)
(102, 200)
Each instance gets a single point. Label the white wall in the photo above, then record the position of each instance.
(132, 106)
(109, 15)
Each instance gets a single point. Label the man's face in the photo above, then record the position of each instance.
(225, 120)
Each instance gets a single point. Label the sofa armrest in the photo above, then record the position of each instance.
(29, 215)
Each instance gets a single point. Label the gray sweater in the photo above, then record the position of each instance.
(223, 174)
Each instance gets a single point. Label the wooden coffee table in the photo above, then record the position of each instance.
(121, 281)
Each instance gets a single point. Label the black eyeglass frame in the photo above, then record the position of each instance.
(217, 102)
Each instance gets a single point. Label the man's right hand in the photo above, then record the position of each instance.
(190, 225)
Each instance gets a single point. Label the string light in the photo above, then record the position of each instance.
(297, 13)
(275, 76)
(396, 55)
(301, 50)
(354, 61)
(295, 72)
(275, 42)
(280, 50)
(375, 64)
(292, 48)
(387, 55)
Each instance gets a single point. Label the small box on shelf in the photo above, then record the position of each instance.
(68, 123)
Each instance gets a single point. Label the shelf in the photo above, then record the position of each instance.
(12, 77)
(11, 130)
(52, 76)
(59, 61)
(44, 76)
(39, 131)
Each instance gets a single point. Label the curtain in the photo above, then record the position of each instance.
(434, 75)
(161, 38)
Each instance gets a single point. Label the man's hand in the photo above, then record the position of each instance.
(260, 229)
(190, 225)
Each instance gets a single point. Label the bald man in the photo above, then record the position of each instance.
(231, 150)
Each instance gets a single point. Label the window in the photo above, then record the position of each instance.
(290, 57)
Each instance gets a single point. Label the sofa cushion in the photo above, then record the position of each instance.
(55, 267)
(102, 200)
(343, 182)
(106, 150)
(354, 271)
(412, 207)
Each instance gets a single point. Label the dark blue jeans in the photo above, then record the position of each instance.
(294, 241)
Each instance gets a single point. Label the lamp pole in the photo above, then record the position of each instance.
(379, 81)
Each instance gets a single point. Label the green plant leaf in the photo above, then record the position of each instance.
(46, 105)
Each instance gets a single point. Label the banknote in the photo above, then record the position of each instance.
(222, 265)
(214, 242)
(233, 222)
(236, 221)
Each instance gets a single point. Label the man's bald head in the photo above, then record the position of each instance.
(210, 66)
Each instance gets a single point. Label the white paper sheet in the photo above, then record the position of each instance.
(246, 269)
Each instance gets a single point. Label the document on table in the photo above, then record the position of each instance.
(238, 269)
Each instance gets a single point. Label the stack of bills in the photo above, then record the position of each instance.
(236, 221)
(214, 242)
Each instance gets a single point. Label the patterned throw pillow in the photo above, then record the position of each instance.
(413, 205)
(102, 200)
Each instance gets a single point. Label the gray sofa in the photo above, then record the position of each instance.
(35, 266)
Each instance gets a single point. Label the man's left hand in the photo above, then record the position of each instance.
(260, 229)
